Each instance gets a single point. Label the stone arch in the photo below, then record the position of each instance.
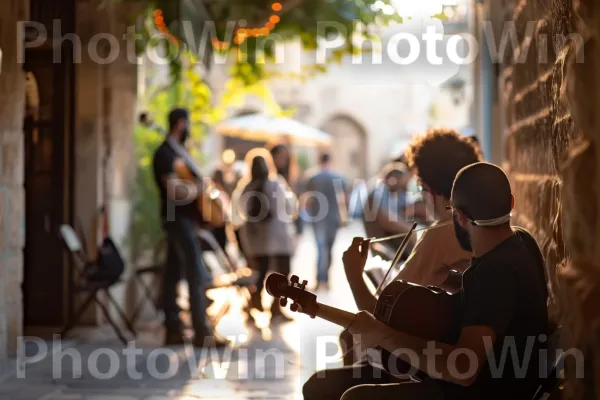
(349, 145)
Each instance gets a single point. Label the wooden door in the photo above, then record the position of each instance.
(47, 144)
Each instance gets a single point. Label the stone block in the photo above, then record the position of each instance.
(11, 156)
(13, 277)
(14, 328)
(16, 218)
(4, 222)
(12, 316)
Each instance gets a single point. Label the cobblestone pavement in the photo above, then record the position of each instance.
(267, 362)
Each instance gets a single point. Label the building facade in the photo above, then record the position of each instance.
(67, 109)
(371, 110)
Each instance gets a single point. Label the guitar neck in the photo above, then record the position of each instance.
(335, 315)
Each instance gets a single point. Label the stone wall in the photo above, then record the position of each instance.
(105, 105)
(551, 112)
(538, 128)
(12, 97)
(105, 117)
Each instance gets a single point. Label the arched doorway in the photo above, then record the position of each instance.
(349, 147)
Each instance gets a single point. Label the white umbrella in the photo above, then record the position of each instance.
(262, 127)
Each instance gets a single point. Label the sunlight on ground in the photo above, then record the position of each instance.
(307, 344)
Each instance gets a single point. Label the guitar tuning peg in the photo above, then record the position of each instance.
(283, 302)
(304, 283)
(294, 307)
(294, 279)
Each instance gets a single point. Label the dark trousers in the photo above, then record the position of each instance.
(362, 381)
(185, 256)
(325, 237)
(282, 264)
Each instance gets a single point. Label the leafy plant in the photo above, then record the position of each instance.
(192, 92)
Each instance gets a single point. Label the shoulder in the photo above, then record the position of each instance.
(163, 150)
(276, 183)
(526, 237)
(312, 174)
(162, 153)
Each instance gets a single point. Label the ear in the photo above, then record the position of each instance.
(463, 220)
(512, 202)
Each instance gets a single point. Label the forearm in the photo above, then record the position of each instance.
(429, 356)
(365, 301)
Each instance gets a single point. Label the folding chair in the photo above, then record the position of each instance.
(156, 271)
(149, 295)
(234, 276)
(82, 285)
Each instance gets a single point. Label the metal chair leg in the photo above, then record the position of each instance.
(79, 313)
(110, 320)
(120, 312)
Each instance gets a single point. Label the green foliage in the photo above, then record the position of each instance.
(192, 92)
(308, 20)
(146, 236)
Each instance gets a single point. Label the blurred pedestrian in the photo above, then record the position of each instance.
(287, 167)
(385, 211)
(325, 202)
(268, 207)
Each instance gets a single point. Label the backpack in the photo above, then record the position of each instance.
(109, 265)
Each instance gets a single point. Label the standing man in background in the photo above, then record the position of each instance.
(325, 203)
(179, 218)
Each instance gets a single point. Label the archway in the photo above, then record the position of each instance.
(349, 147)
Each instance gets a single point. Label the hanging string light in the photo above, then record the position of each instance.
(242, 34)
(159, 21)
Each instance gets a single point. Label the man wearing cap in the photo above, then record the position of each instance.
(504, 318)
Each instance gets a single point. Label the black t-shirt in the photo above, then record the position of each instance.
(506, 290)
(163, 164)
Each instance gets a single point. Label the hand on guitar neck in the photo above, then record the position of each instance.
(305, 302)
(436, 318)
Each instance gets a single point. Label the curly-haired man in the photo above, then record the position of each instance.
(434, 158)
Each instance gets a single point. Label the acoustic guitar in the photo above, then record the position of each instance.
(426, 312)
(212, 204)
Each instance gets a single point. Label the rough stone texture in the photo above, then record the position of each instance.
(94, 82)
(552, 118)
(12, 93)
(106, 123)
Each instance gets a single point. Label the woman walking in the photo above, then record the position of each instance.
(286, 164)
(268, 208)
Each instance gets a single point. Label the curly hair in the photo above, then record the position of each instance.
(437, 156)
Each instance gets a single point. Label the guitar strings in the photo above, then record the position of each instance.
(394, 262)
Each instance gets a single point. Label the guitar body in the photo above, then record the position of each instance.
(426, 312)
(212, 203)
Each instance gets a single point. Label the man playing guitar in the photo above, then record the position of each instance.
(179, 216)
(435, 158)
(503, 312)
